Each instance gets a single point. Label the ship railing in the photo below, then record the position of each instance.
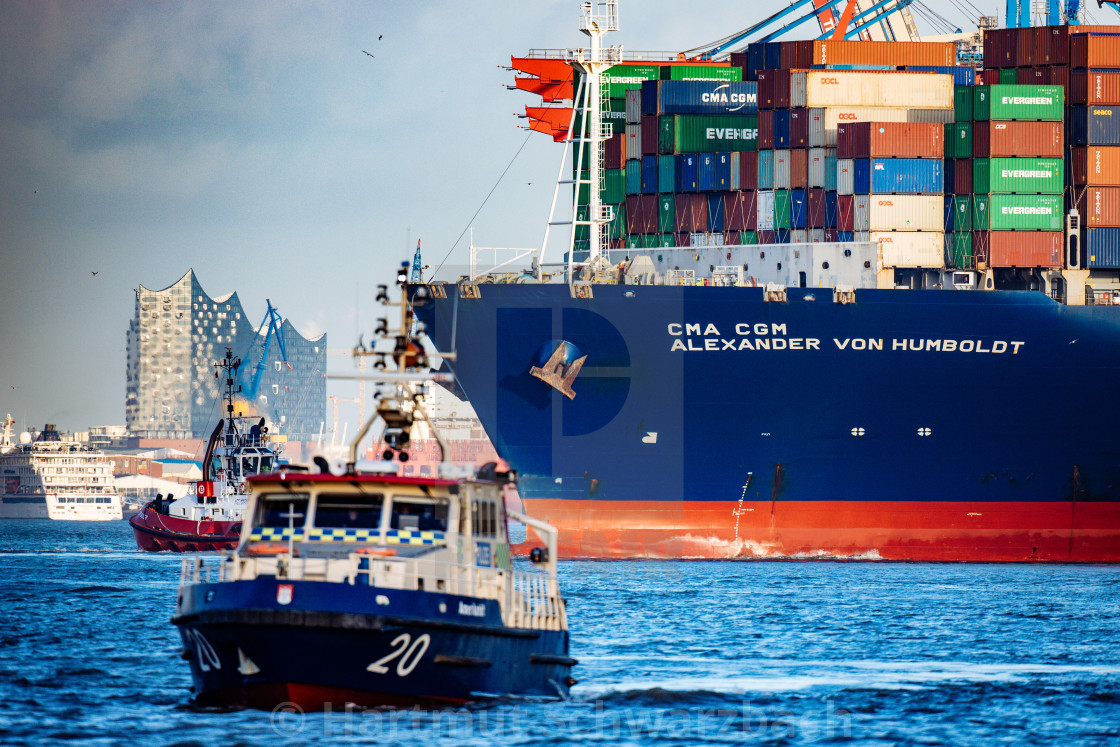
(1097, 297)
(199, 570)
(628, 55)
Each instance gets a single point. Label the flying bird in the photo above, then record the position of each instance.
(379, 37)
(94, 272)
(369, 54)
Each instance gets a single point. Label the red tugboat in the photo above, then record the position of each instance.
(209, 517)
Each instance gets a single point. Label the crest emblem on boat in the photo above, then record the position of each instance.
(558, 372)
(284, 593)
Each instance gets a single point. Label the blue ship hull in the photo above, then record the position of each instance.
(709, 422)
(322, 645)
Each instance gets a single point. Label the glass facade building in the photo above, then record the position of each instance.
(175, 337)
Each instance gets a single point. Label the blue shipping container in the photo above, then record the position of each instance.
(766, 169)
(950, 185)
(1093, 125)
(715, 213)
(962, 76)
(773, 56)
(830, 209)
(798, 207)
(905, 176)
(861, 176)
(781, 129)
(686, 173)
(723, 171)
(1101, 247)
(756, 60)
(949, 213)
(633, 177)
(783, 236)
(706, 171)
(699, 97)
(845, 236)
(649, 175)
(665, 173)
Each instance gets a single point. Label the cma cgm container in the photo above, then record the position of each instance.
(823, 122)
(820, 88)
(890, 140)
(1101, 247)
(909, 175)
(699, 97)
(1018, 102)
(903, 213)
(1018, 212)
(1017, 139)
(1094, 166)
(694, 134)
(910, 248)
(1099, 207)
(1018, 248)
(1094, 87)
(1093, 125)
(1017, 175)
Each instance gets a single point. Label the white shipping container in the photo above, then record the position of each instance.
(816, 235)
(735, 165)
(861, 212)
(634, 106)
(881, 89)
(799, 236)
(910, 248)
(634, 141)
(861, 236)
(906, 213)
(765, 210)
(845, 176)
(823, 121)
(781, 169)
(817, 160)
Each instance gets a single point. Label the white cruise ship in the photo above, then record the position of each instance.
(47, 477)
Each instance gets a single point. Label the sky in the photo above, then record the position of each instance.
(262, 145)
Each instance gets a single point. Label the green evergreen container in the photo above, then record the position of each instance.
(613, 113)
(962, 103)
(958, 140)
(1018, 212)
(666, 239)
(583, 232)
(614, 186)
(650, 241)
(666, 213)
(1018, 175)
(701, 72)
(958, 249)
(962, 212)
(748, 237)
(781, 209)
(1018, 102)
(634, 241)
(616, 229)
(621, 78)
(666, 173)
(696, 134)
(1008, 75)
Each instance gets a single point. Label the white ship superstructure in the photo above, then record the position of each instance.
(48, 477)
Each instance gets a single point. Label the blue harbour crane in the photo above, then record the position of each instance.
(275, 329)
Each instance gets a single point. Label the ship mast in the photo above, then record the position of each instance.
(596, 19)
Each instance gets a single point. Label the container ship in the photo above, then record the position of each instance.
(838, 300)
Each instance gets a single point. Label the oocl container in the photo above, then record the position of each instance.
(910, 248)
(823, 122)
(1009, 139)
(1017, 175)
(1093, 125)
(1094, 166)
(907, 175)
(1018, 102)
(905, 213)
(820, 88)
(890, 140)
(699, 97)
(1018, 248)
(1001, 212)
(1099, 207)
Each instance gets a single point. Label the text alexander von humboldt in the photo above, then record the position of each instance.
(709, 338)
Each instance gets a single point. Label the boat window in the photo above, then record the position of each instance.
(425, 515)
(349, 511)
(277, 510)
(484, 518)
(248, 465)
(266, 464)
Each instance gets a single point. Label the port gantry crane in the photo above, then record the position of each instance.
(275, 328)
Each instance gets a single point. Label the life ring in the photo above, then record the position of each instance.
(270, 548)
(384, 551)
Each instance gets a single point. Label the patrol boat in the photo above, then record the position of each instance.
(359, 585)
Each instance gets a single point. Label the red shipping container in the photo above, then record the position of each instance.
(1040, 46)
(989, 77)
(830, 234)
(751, 207)
(1024, 48)
(1018, 248)
(614, 151)
(649, 135)
(798, 169)
(1094, 50)
(1033, 76)
(683, 239)
(1094, 87)
(845, 215)
(1059, 76)
(962, 176)
(748, 169)
(1016, 139)
(682, 217)
(998, 50)
(799, 128)
(1094, 165)
(1099, 207)
(765, 94)
(816, 215)
(765, 129)
(1059, 40)
(633, 214)
(698, 212)
(797, 55)
(767, 237)
(773, 89)
(738, 207)
(896, 54)
(891, 140)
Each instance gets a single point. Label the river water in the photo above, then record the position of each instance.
(688, 653)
